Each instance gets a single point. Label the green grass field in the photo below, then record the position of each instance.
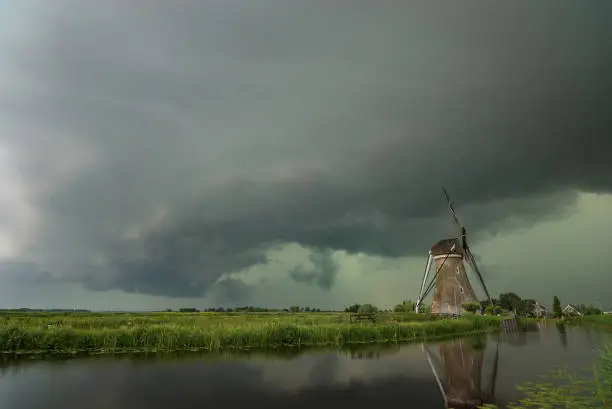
(598, 322)
(163, 332)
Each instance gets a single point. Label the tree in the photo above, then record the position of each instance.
(294, 308)
(493, 310)
(405, 306)
(472, 307)
(352, 308)
(593, 311)
(510, 301)
(367, 308)
(485, 303)
(557, 312)
(425, 309)
(588, 310)
(527, 307)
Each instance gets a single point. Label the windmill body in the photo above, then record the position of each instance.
(452, 287)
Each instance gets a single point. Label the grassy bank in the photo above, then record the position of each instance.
(113, 333)
(604, 321)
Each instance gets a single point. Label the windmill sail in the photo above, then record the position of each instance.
(461, 233)
(472, 260)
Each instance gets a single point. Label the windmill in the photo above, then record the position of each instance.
(450, 284)
(465, 377)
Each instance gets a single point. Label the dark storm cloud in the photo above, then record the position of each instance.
(309, 122)
(232, 290)
(321, 272)
(22, 272)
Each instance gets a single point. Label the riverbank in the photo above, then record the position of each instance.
(99, 333)
(604, 321)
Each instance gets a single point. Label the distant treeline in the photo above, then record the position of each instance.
(506, 302)
(524, 307)
(293, 308)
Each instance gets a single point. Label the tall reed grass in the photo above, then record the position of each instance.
(104, 333)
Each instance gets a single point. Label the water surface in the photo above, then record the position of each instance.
(372, 378)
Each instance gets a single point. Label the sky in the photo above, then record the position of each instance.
(168, 154)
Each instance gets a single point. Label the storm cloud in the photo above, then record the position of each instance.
(160, 147)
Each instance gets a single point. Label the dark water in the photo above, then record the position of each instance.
(371, 378)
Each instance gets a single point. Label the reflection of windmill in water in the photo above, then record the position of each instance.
(450, 284)
(459, 371)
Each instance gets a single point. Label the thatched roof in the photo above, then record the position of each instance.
(444, 246)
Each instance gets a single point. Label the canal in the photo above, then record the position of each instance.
(486, 367)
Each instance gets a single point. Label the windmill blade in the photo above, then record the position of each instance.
(452, 209)
(460, 228)
(472, 260)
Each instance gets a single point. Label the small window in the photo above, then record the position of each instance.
(461, 289)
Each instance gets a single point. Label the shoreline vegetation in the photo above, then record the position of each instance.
(84, 333)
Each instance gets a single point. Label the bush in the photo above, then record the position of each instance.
(406, 306)
(472, 307)
(367, 309)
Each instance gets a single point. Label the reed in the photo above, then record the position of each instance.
(113, 333)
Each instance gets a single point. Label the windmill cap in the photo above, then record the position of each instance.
(445, 246)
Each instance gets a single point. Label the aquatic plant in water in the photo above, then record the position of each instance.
(562, 389)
